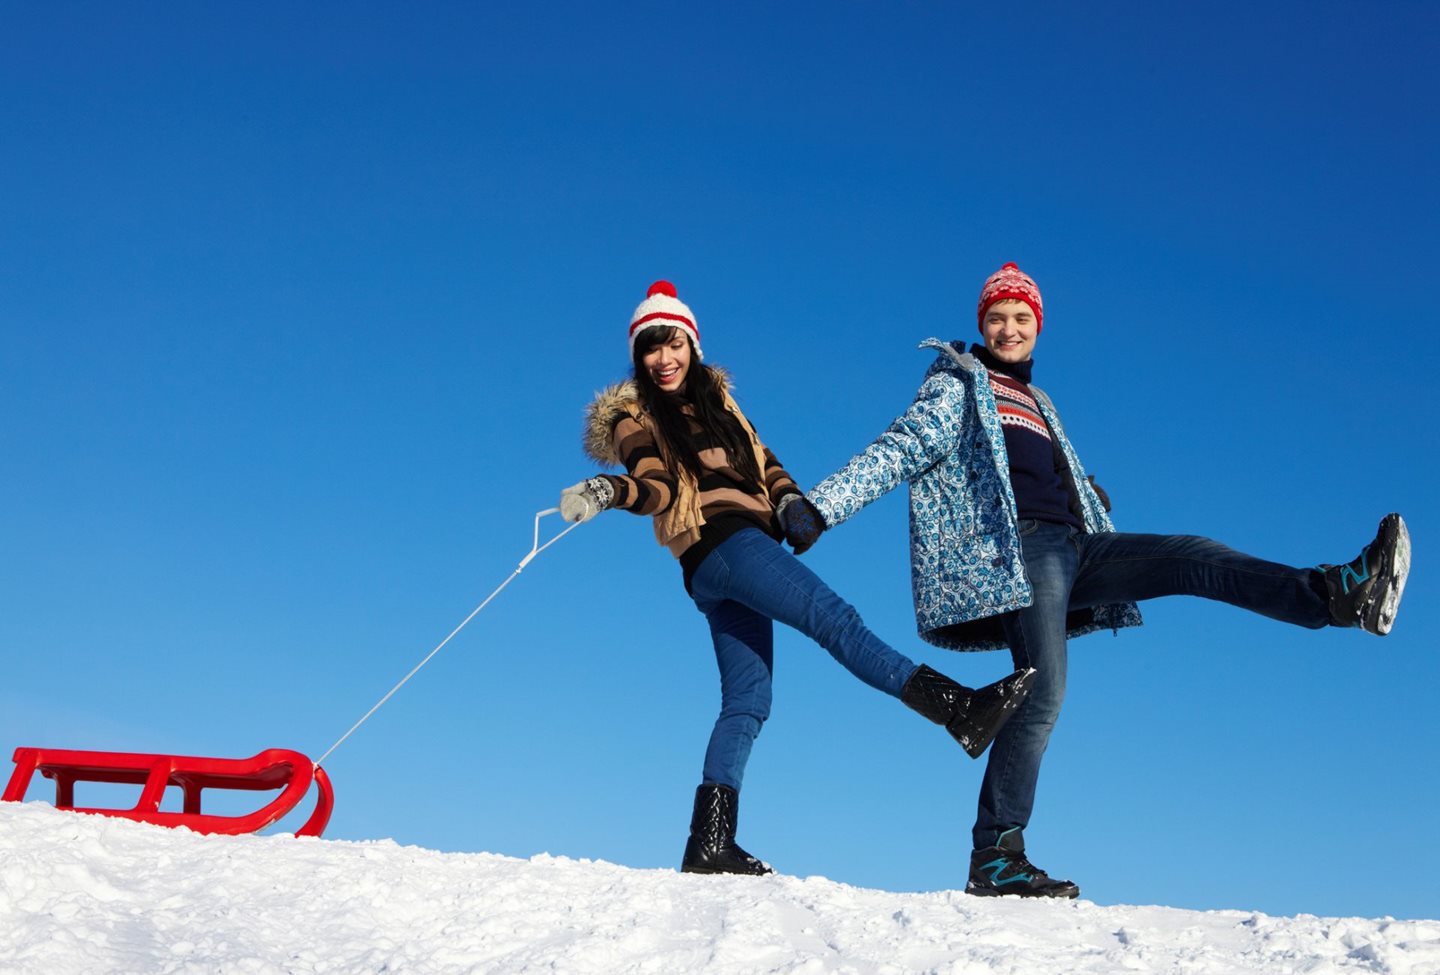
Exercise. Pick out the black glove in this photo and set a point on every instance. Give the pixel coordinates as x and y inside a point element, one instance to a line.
<point>1099,491</point>
<point>801,522</point>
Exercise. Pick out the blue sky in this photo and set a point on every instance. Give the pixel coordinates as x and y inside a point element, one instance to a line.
<point>301,307</point>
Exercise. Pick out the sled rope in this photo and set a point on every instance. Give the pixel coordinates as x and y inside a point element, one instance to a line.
<point>535,549</point>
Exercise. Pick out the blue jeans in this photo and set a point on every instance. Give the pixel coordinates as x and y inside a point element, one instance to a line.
<point>1070,570</point>
<point>747,582</point>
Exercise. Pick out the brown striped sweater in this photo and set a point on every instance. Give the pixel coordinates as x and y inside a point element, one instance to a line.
<point>691,517</point>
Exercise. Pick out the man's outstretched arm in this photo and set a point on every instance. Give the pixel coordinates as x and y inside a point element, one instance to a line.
<point>917,439</point>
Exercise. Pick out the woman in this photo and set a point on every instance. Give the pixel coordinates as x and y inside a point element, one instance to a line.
<point>721,502</point>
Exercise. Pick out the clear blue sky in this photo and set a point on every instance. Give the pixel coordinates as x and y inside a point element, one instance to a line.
<point>300,309</point>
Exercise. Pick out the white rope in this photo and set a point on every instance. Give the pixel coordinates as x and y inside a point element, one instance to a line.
<point>535,549</point>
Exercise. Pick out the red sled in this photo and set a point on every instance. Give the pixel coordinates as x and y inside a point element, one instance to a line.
<point>274,768</point>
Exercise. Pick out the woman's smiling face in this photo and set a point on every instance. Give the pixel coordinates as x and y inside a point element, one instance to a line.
<point>669,362</point>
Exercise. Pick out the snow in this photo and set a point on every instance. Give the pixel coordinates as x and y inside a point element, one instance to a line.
<point>83,893</point>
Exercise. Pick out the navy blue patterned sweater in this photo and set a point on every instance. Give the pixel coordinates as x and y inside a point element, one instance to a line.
<point>1041,491</point>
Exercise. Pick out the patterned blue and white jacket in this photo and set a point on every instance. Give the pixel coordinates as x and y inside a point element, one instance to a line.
<point>965,560</point>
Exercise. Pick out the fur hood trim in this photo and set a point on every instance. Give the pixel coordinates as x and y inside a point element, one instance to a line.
<point>614,402</point>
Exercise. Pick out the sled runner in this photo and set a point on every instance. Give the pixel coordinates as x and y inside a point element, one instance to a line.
<point>274,768</point>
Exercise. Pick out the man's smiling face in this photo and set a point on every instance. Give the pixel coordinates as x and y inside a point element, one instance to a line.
<point>1010,329</point>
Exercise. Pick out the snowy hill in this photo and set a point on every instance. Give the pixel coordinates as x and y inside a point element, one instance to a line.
<point>92,894</point>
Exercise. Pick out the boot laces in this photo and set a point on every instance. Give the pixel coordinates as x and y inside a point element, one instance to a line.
<point>1018,863</point>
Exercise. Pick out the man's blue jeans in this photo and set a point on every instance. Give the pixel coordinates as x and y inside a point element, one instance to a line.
<point>1071,570</point>
<point>747,582</point>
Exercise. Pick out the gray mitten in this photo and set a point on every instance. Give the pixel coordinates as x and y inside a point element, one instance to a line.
<point>585,500</point>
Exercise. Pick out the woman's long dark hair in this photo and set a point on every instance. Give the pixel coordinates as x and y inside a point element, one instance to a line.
<point>703,394</point>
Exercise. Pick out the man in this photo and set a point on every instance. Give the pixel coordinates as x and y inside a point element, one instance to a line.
<point>1012,546</point>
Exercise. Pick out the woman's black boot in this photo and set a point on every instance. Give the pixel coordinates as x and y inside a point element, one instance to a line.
<point>973,718</point>
<point>711,847</point>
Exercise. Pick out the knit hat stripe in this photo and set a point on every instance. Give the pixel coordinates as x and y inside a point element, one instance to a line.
<point>681,319</point>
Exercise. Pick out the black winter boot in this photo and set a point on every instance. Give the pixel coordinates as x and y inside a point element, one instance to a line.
<point>711,847</point>
<point>973,718</point>
<point>1366,592</point>
<point>1003,871</point>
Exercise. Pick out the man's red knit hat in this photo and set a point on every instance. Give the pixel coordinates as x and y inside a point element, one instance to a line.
<point>1011,282</point>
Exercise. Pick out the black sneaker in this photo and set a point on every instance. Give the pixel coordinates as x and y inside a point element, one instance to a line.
<point>1366,592</point>
<point>1003,871</point>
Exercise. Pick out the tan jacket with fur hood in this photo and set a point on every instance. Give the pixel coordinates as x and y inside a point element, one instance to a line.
<point>677,526</point>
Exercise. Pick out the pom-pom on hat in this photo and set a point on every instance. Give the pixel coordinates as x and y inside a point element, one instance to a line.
<point>663,307</point>
<point>1011,282</point>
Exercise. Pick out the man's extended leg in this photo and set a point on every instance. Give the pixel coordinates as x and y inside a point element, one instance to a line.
<point>1120,567</point>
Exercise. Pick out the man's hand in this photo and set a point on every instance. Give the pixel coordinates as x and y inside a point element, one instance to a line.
<point>585,500</point>
<point>801,522</point>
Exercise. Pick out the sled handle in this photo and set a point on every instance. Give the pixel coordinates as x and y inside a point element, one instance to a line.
<point>536,548</point>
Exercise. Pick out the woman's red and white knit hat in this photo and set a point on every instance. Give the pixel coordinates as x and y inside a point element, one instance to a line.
<point>1011,282</point>
<point>663,307</point>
